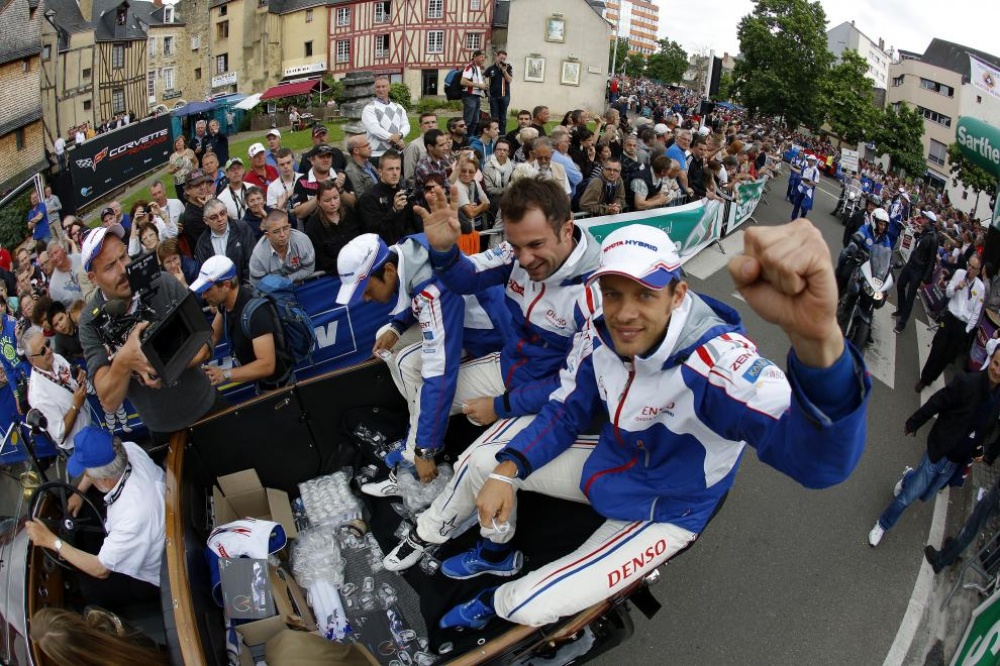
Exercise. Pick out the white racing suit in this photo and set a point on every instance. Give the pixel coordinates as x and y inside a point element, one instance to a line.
<point>680,419</point>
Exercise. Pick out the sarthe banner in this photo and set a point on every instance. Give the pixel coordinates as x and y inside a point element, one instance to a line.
<point>691,226</point>
<point>985,77</point>
<point>111,160</point>
<point>746,196</point>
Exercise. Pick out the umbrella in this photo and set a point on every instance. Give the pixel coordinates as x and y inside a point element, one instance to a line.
<point>249,102</point>
<point>192,108</point>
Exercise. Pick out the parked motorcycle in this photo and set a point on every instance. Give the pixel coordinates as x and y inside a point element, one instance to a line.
<point>866,291</point>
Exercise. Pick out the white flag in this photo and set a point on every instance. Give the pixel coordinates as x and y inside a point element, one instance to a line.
<point>985,77</point>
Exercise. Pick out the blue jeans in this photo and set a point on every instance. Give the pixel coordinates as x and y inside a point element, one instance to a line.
<point>498,110</point>
<point>921,483</point>
<point>470,113</point>
<point>803,204</point>
<point>984,512</point>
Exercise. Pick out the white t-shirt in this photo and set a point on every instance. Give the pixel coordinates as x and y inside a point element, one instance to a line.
<point>278,188</point>
<point>65,287</point>
<point>59,145</point>
<point>173,211</point>
<point>54,400</point>
<point>136,521</point>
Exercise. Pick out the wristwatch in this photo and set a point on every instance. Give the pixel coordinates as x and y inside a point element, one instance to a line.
<point>57,545</point>
<point>425,454</point>
<point>227,375</point>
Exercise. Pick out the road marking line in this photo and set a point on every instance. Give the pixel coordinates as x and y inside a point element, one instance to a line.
<point>880,357</point>
<point>924,585</point>
<point>710,260</point>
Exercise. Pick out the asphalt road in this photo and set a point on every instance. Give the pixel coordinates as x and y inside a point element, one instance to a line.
<point>785,575</point>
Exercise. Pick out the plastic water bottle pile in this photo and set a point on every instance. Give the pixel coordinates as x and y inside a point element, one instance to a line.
<point>418,496</point>
<point>328,500</point>
<point>316,557</point>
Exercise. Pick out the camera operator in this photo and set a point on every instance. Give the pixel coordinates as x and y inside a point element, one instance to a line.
<point>126,372</point>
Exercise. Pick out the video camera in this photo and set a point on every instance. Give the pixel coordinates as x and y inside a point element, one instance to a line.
<point>172,339</point>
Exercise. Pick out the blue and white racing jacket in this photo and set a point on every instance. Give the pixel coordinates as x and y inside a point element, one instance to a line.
<point>681,417</point>
<point>449,322</point>
<point>544,315</point>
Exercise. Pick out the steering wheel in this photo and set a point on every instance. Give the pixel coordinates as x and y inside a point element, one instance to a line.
<point>66,526</point>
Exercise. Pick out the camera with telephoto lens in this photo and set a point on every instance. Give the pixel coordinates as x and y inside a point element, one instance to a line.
<point>172,339</point>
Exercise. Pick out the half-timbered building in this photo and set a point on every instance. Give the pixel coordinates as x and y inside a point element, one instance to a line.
<point>22,147</point>
<point>120,59</point>
<point>414,41</point>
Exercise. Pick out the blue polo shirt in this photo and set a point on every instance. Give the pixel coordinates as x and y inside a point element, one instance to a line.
<point>42,228</point>
<point>675,152</point>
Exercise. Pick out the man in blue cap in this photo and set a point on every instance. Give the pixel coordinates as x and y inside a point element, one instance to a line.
<point>127,567</point>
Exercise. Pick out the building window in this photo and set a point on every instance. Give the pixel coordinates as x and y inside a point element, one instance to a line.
<point>222,63</point>
<point>261,4</point>
<point>152,47</point>
<point>474,41</point>
<point>85,73</point>
<point>122,16</point>
<point>897,106</point>
<point>118,100</point>
<point>898,80</point>
<point>222,30</point>
<point>309,16</point>
<point>46,52</point>
<point>939,88</point>
<point>167,73</point>
<point>435,41</point>
<point>938,153</point>
<point>343,51</point>
<point>26,65</point>
<point>381,46</point>
<point>343,16</point>
<point>435,9</point>
<point>19,138</point>
<point>195,42</point>
<point>475,5</point>
<point>86,105</point>
<point>118,56</point>
<point>197,73</point>
<point>223,10</point>
<point>168,46</point>
<point>309,49</point>
<point>935,117</point>
<point>383,12</point>
<point>168,14</point>
<point>151,83</point>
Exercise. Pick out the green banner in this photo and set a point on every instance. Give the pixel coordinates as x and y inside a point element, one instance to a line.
<point>981,643</point>
<point>746,197</point>
<point>691,226</point>
<point>980,143</point>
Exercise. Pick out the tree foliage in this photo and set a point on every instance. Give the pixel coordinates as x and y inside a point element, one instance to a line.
<point>616,62</point>
<point>968,174</point>
<point>668,64</point>
<point>725,87</point>
<point>784,57</point>
<point>14,221</point>
<point>635,64</point>
<point>847,100</point>
<point>899,134</point>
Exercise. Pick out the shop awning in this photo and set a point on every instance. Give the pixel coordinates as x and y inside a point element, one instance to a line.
<point>294,88</point>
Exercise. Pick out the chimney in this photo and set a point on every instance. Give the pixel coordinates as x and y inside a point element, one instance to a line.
<point>881,44</point>
<point>157,3</point>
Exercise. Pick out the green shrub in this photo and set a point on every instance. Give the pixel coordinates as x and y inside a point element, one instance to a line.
<point>14,221</point>
<point>432,104</point>
<point>400,94</point>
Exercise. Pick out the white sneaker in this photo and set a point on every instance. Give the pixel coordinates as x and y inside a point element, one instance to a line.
<point>898,488</point>
<point>387,487</point>
<point>875,536</point>
<point>405,555</point>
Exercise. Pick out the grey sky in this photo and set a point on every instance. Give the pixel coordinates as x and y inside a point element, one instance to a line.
<point>904,24</point>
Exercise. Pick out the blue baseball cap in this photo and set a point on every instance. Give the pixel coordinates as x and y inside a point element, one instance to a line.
<point>356,262</point>
<point>92,448</point>
<point>642,253</point>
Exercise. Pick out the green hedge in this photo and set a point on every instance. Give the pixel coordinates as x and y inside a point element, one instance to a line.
<point>14,221</point>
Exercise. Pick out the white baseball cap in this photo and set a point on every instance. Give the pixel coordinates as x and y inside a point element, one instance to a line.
<point>94,242</point>
<point>215,269</point>
<point>929,214</point>
<point>255,149</point>
<point>642,253</point>
<point>355,264</point>
<point>660,129</point>
<point>275,131</point>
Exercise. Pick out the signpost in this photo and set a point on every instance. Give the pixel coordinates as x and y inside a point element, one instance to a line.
<point>849,160</point>
<point>980,144</point>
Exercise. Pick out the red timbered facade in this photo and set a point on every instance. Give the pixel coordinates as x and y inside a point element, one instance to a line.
<point>400,37</point>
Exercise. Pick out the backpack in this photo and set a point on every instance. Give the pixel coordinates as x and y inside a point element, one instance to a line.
<point>453,85</point>
<point>295,338</point>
